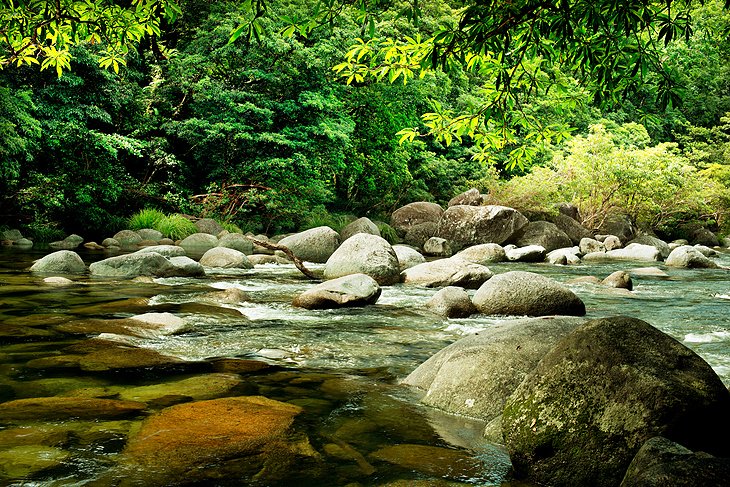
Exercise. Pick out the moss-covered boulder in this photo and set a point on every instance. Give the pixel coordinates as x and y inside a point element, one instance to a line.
<point>582,414</point>
<point>67,407</point>
<point>21,462</point>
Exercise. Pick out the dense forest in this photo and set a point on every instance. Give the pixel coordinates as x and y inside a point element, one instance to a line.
<point>303,116</point>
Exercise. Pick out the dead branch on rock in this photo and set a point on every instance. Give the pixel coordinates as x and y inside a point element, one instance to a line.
<point>297,261</point>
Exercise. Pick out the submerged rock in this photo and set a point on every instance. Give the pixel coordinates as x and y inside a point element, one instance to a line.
<point>22,462</point>
<point>67,407</point>
<point>62,262</point>
<point>582,414</point>
<point>346,291</point>
<point>432,460</point>
<point>519,293</point>
<point>453,271</point>
<point>364,254</point>
<point>199,387</point>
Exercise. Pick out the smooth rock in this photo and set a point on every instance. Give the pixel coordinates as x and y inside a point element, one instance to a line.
<point>471,197</point>
<point>225,258</point>
<point>413,214</point>
<point>164,250</point>
<point>648,272</point>
<point>612,242</point>
<point>582,414</point>
<point>544,234</point>
<point>186,267</point>
<point>689,257</point>
<point>132,265</point>
<point>417,235</point>
<point>451,302</point>
<point>531,253</point>
<point>519,293</point>
<point>127,238</point>
<point>361,225</point>
<point>313,245</point>
<point>437,247</point>
<point>453,271</point>
<point>93,246</point>
<point>707,251</point>
<point>150,234</point>
<point>653,241</point>
<point>236,241</point>
<point>62,261</point>
<point>23,242</point>
<point>23,462</point>
<point>347,291</point>
<point>110,242</point>
<point>564,256</point>
<point>47,408</point>
<point>57,281</point>
<point>619,279</point>
<point>364,254</point>
<point>197,388</point>
<point>198,243</point>
<point>590,245</point>
<point>209,226</point>
<point>703,236</point>
<point>632,252</point>
<point>483,253</point>
<point>408,256</point>
<point>465,225</point>
<point>432,461</point>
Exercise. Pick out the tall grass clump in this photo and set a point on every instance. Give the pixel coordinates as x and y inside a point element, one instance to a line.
<point>147,218</point>
<point>231,227</point>
<point>320,217</point>
<point>175,227</point>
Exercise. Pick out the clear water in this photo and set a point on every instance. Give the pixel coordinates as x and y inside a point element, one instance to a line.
<point>341,366</point>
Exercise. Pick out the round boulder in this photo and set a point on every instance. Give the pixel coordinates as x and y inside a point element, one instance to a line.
<point>619,279</point>
<point>703,236</point>
<point>413,214</point>
<point>209,226</point>
<point>483,253</point>
<point>661,245</point>
<point>471,197</point>
<point>544,234</point>
<point>531,253</point>
<point>347,291</point>
<point>364,254</point>
<point>582,414</point>
<point>223,257</point>
<point>133,265</point>
<point>313,245</point>
<point>520,293</point>
<point>471,225</point>
<point>199,243</point>
<point>417,235</point>
<point>408,257</point>
<point>689,257</point>
<point>451,302</point>
<point>164,250</point>
<point>63,262</point>
<point>127,238</point>
<point>437,246</point>
<point>150,234</point>
<point>361,225</point>
<point>618,225</point>
<point>236,241</point>
<point>447,272</point>
<point>69,243</point>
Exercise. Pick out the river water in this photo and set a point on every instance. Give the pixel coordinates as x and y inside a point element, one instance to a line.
<point>342,367</point>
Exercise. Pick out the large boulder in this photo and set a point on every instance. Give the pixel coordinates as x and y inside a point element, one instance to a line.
<point>660,244</point>
<point>618,225</point>
<point>347,291</point>
<point>590,245</point>
<point>703,236</point>
<point>451,302</point>
<point>436,246</point>
<point>361,225</point>
<point>530,253</point>
<point>61,262</point>
<point>150,234</point>
<point>193,441</point>
<point>223,257</point>
<point>133,265</point>
<point>199,243</point>
<point>635,252</point>
<point>582,414</point>
<point>565,256</point>
<point>236,241</point>
<point>413,214</point>
<point>209,226</point>
<point>408,257</point>
<point>574,230</point>
<point>453,271</point>
<point>186,267</point>
<point>164,250</point>
<point>471,225</point>
<point>544,234</point>
<point>127,238</point>
<point>364,254</point>
<point>475,375</point>
<point>471,197</point>
<point>418,235</point>
<point>661,462</point>
<point>483,253</point>
<point>313,245</point>
<point>520,293</point>
<point>689,257</point>
<point>69,243</point>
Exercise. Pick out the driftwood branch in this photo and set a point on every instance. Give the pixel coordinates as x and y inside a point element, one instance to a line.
<point>297,261</point>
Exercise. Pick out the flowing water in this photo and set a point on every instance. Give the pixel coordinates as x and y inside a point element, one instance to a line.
<point>342,367</point>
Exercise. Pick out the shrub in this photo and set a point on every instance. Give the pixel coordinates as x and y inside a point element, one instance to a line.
<point>147,218</point>
<point>320,217</point>
<point>387,232</point>
<point>175,226</point>
<point>231,227</point>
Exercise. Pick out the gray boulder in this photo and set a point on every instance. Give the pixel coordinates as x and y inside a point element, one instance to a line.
<point>364,254</point>
<point>530,253</point>
<point>223,257</point>
<point>417,235</point>
<point>69,243</point>
<point>726,242</point>
<point>475,375</point>
<point>653,241</point>
<point>636,252</point>
<point>453,271</point>
<point>133,265</point>
<point>236,241</point>
<point>565,256</point>
<point>591,245</point>
<point>199,243</point>
<point>361,225</point>
<point>127,238</point>
<point>23,242</point>
<point>150,234</point>
<point>451,302</point>
<point>620,280</point>
<point>471,197</point>
<point>483,253</point>
<point>413,214</point>
<point>519,293</point>
<point>612,242</point>
<point>437,246</point>
<point>702,249</point>
<point>569,210</point>
<point>408,257</point>
<point>582,414</point>
<point>11,235</point>
<point>465,225</point>
<point>544,234</point>
<point>313,245</point>
<point>62,262</point>
<point>186,267</point>
<point>618,225</point>
<point>164,250</point>
<point>110,242</point>
<point>661,462</point>
<point>703,236</point>
<point>347,291</point>
<point>689,257</point>
<point>209,226</point>
<point>574,230</point>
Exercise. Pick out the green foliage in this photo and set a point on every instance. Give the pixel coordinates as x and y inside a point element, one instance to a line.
<point>231,227</point>
<point>175,227</point>
<point>387,232</point>
<point>320,217</point>
<point>147,218</point>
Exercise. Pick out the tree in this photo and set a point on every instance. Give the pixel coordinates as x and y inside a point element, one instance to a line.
<point>43,32</point>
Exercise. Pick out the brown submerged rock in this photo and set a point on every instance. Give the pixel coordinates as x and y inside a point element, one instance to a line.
<point>67,407</point>
<point>431,460</point>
